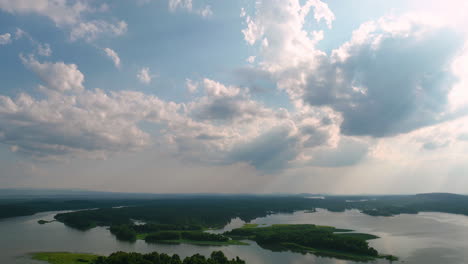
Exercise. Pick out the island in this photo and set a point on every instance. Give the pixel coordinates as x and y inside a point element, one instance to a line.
<point>216,257</point>
<point>306,238</point>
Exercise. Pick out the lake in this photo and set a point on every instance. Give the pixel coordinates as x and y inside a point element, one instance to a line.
<point>424,238</point>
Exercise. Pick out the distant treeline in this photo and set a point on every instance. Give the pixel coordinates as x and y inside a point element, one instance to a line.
<point>401,204</point>
<point>216,211</point>
<point>12,208</point>
<point>217,257</point>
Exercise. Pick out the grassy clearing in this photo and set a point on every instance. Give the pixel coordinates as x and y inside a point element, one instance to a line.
<point>141,236</point>
<point>64,257</point>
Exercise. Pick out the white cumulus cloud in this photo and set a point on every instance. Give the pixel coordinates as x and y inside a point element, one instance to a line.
<point>44,49</point>
<point>191,85</point>
<point>90,30</point>
<point>57,76</point>
<point>70,15</point>
<point>187,5</point>
<point>5,39</point>
<point>113,56</point>
<point>145,76</point>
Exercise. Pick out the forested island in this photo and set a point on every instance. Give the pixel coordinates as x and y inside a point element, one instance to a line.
<point>216,257</point>
<point>306,238</point>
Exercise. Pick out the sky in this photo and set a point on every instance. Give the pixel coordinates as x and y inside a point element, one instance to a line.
<point>196,96</point>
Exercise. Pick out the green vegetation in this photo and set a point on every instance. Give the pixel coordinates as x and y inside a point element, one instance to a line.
<point>169,220</point>
<point>174,234</point>
<point>219,210</point>
<point>390,205</point>
<point>184,220</point>
<point>202,243</point>
<point>14,207</point>
<point>191,237</point>
<point>357,235</point>
<point>319,240</point>
<point>64,257</point>
<point>151,227</point>
<point>123,232</point>
<point>216,257</point>
<point>162,236</point>
<point>216,212</point>
<point>202,212</point>
<point>132,232</point>
<point>201,236</point>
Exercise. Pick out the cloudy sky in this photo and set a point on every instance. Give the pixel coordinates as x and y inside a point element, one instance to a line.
<point>358,96</point>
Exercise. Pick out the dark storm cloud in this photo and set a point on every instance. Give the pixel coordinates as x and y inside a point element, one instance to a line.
<point>395,88</point>
<point>269,152</point>
<point>225,108</point>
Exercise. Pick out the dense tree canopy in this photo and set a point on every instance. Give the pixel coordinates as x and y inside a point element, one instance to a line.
<point>216,211</point>
<point>217,257</point>
<point>201,212</point>
<point>305,236</point>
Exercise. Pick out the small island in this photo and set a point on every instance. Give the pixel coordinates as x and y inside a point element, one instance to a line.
<point>216,257</point>
<point>319,240</point>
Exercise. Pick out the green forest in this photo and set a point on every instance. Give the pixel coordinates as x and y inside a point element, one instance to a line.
<point>226,207</point>
<point>184,219</point>
<point>320,240</point>
<point>216,257</point>
<point>167,233</point>
<point>202,212</point>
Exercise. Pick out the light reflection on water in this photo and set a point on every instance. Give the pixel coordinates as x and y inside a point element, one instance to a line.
<point>425,238</point>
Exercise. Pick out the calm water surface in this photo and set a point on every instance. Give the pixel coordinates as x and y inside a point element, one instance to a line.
<point>425,238</point>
